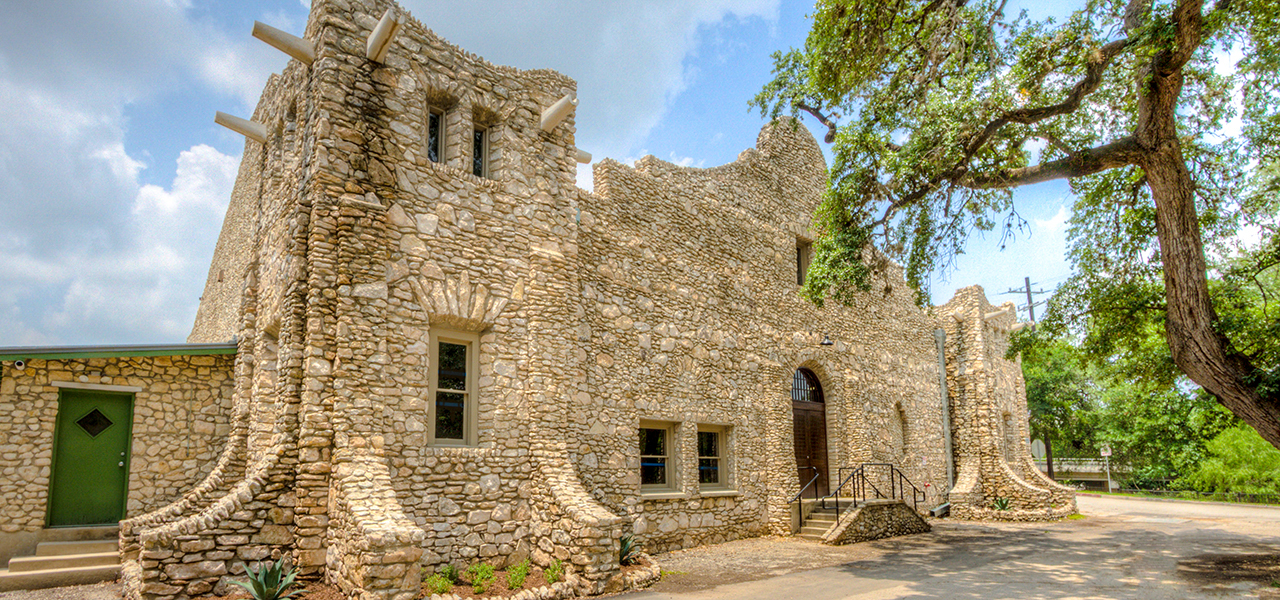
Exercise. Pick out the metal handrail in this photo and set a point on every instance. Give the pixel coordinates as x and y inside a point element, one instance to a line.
<point>898,483</point>
<point>854,472</point>
<point>816,475</point>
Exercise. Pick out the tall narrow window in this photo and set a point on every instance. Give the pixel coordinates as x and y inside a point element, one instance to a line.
<point>453,376</point>
<point>804,253</point>
<point>435,136</point>
<point>656,461</point>
<point>713,472</point>
<point>480,153</point>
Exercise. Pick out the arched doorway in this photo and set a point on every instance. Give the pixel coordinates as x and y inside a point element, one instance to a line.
<point>809,414</point>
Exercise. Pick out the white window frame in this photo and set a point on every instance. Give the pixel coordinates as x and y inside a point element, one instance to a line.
<point>722,456</point>
<point>441,137</point>
<point>470,408</point>
<point>672,447</point>
<point>486,132</point>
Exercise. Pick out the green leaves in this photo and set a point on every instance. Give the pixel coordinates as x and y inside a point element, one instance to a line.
<point>628,550</point>
<point>1240,462</point>
<point>271,581</point>
<point>943,105</point>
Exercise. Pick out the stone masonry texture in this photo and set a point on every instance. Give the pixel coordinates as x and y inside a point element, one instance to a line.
<point>668,296</point>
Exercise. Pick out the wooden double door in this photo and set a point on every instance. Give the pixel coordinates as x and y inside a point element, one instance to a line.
<point>811,444</point>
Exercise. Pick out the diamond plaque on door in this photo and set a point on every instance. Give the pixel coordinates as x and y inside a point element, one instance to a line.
<point>94,423</point>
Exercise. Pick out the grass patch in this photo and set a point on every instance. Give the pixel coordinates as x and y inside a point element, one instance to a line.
<point>1076,517</point>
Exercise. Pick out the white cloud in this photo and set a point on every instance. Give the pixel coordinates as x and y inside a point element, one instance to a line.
<point>629,57</point>
<point>1056,223</point>
<point>147,288</point>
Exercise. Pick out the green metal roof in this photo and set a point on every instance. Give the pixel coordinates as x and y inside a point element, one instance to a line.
<point>56,352</point>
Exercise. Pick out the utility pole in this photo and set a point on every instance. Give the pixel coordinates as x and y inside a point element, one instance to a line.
<point>1031,304</point>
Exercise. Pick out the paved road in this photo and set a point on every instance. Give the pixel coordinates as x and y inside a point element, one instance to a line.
<point>1125,548</point>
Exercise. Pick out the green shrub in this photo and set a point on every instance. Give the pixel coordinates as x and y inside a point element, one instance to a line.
<point>629,551</point>
<point>516,574</point>
<point>1000,503</point>
<point>554,572</point>
<point>438,584</point>
<point>450,572</point>
<point>271,581</point>
<point>1239,461</point>
<point>481,576</point>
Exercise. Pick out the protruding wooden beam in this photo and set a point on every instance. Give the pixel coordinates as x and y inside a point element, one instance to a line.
<point>558,111</point>
<point>250,129</point>
<point>583,156</point>
<point>958,316</point>
<point>285,42</point>
<point>995,314</point>
<point>383,33</point>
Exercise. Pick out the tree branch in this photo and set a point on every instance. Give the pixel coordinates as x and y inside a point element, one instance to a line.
<point>831,125</point>
<point>1119,153</point>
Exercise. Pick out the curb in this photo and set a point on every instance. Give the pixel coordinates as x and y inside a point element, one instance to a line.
<point>1179,500</point>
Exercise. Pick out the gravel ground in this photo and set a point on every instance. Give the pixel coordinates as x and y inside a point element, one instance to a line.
<point>107,590</point>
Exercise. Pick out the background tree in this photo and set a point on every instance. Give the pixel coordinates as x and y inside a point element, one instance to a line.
<point>1060,397</point>
<point>1239,461</point>
<point>949,104</point>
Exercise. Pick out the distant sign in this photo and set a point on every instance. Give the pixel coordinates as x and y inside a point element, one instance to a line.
<point>1106,449</point>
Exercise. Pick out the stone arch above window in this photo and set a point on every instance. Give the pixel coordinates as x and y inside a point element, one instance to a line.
<point>805,386</point>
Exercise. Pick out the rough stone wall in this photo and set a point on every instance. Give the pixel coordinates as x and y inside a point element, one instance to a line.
<point>874,520</point>
<point>180,422</point>
<point>992,453</point>
<point>690,315</point>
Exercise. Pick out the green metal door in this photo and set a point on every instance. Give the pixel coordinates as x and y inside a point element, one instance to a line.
<point>90,458</point>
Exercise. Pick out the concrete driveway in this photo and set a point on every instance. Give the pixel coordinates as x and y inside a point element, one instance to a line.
<point>1124,548</point>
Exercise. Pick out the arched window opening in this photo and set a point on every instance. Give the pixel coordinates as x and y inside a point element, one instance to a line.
<point>805,386</point>
<point>901,434</point>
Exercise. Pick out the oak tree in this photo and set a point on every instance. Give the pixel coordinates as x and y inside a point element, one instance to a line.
<point>938,109</point>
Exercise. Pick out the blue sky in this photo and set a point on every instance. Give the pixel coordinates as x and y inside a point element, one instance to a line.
<point>114,179</point>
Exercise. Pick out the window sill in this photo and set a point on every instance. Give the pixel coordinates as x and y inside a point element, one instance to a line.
<point>719,493</point>
<point>662,495</point>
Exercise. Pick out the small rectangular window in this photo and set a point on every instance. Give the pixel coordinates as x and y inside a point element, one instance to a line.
<point>657,458</point>
<point>480,153</point>
<point>709,457</point>
<point>713,457</point>
<point>435,136</point>
<point>804,253</point>
<point>453,388</point>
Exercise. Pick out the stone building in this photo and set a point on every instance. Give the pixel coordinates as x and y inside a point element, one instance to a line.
<point>447,352</point>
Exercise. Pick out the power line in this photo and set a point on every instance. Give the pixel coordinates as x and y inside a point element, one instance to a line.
<point>1031,303</point>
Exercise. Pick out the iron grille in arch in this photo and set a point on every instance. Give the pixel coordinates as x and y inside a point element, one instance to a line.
<point>805,386</point>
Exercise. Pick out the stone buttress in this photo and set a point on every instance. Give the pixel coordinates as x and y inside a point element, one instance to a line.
<point>988,418</point>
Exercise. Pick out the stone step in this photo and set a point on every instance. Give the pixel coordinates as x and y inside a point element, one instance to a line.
<point>77,534</point>
<point>85,547</point>
<point>810,536</point>
<point>811,530</point>
<point>829,517</point>
<point>27,564</point>
<point>35,580</point>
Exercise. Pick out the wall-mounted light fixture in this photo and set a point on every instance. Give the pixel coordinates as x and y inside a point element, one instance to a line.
<point>826,341</point>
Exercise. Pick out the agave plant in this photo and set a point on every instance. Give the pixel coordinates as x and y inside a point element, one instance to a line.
<point>1001,503</point>
<point>629,551</point>
<point>271,581</point>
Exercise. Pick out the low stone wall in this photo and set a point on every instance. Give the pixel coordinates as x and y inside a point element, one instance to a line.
<point>874,520</point>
